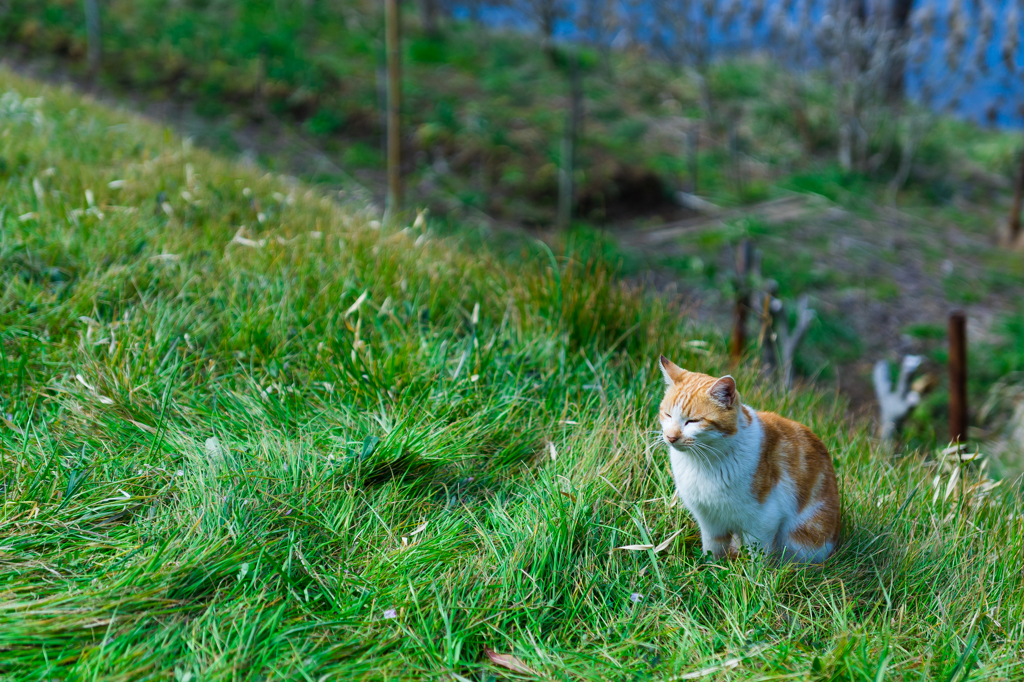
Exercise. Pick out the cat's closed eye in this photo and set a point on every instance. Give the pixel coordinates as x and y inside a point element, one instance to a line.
<point>692,421</point>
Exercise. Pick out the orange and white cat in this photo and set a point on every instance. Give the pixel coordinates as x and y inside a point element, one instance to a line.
<point>746,476</point>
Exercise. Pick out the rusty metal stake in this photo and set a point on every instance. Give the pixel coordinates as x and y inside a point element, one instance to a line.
<point>957,376</point>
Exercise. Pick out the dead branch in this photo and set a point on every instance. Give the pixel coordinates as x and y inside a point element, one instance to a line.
<point>895,404</point>
<point>787,341</point>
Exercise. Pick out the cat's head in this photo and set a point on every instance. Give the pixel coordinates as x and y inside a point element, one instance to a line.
<point>697,409</point>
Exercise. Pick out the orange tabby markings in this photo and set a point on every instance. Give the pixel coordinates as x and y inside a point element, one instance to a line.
<point>762,477</point>
<point>747,416</point>
<point>804,456</point>
<point>767,474</point>
<point>818,530</point>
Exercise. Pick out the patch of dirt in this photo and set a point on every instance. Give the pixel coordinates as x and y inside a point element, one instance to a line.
<point>883,275</point>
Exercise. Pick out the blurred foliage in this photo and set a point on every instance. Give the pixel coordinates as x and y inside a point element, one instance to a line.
<point>484,110</point>
<point>477,107</point>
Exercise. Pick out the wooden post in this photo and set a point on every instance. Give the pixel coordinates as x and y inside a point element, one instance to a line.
<point>259,101</point>
<point>899,22</point>
<point>744,257</point>
<point>691,150</point>
<point>428,16</point>
<point>393,46</point>
<point>734,164</point>
<point>957,376</point>
<point>767,337</point>
<point>1014,229</point>
<point>92,33</point>
<point>566,192</point>
<point>382,100</point>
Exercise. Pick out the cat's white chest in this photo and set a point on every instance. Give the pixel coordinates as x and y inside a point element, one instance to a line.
<point>719,491</point>
<point>710,489</point>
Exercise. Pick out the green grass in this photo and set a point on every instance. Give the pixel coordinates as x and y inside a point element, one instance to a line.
<point>386,404</point>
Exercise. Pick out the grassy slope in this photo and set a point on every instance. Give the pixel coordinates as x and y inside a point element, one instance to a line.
<point>132,547</point>
<point>296,82</point>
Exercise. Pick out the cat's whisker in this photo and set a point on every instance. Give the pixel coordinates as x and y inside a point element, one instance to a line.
<point>712,449</point>
<point>712,453</point>
<point>707,457</point>
<point>698,450</point>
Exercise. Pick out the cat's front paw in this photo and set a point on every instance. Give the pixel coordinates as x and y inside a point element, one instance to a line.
<point>724,546</point>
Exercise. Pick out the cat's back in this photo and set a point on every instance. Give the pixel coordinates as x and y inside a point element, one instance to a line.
<point>790,452</point>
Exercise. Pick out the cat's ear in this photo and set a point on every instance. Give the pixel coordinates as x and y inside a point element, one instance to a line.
<point>671,371</point>
<point>723,392</point>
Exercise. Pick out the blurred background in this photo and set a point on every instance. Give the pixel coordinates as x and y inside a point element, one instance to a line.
<point>823,180</point>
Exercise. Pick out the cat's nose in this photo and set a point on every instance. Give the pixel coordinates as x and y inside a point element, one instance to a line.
<point>672,439</point>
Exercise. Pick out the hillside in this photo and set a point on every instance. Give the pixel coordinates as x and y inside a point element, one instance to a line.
<point>251,434</point>
<point>296,87</point>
